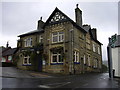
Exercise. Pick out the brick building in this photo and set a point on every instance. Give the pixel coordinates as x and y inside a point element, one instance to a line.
<point>61,45</point>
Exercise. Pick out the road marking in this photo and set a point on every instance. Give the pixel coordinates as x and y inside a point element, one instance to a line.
<point>43,86</point>
<point>54,85</point>
<point>85,84</point>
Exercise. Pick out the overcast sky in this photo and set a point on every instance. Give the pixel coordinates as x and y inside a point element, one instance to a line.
<point>22,17</point>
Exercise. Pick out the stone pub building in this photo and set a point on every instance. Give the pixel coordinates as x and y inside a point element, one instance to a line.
<point>60,45</point>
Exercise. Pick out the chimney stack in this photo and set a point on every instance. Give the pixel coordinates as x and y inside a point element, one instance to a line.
<point>7,45</point>
<point>78,16</point>
<point>40,24</point>
<point>94,33</point>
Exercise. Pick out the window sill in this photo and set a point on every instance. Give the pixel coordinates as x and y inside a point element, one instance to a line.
<point>26,65</point>
<point>56,63</point>
<point>56,43</point>
<point>76,62</point>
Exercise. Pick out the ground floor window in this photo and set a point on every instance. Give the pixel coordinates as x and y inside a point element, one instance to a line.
<point>99,64</point>
<point>84,60</point>
<point>9,58</point>
<point>89,62</point>
<point>56,57</point>
<point>95,63</point>
<point>76,56</point>
<point>26,60</point>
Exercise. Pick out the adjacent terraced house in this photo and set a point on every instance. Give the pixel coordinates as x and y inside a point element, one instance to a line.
<point>61,45</point>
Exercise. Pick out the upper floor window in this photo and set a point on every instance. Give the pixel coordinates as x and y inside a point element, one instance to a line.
<point>88,44</point>
<point>98,50</point>
<point>76,56</point>
<point>28,42</point>
<point>41,39</point>
<point>57,37</point>
<point>93,47</point>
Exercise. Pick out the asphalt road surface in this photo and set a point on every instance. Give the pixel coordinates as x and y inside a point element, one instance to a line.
<point>90,80</point>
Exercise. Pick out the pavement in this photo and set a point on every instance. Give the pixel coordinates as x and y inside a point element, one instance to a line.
<point>13,72</point>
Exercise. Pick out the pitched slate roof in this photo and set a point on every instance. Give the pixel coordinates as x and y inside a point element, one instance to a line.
<point>84,29</point>
<point>10,51</point>
<point>117,43</point>
<point>31,33</point>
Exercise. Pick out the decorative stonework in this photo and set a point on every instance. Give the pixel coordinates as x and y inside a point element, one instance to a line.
<point>57,17</point>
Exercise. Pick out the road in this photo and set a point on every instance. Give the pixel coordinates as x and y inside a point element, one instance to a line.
<point>40,80</point>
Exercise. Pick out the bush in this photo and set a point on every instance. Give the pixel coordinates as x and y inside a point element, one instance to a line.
<point>104,68</point>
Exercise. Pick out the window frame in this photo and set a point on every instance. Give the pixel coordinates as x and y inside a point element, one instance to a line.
<point>89,61</point>
<point>94,49</point>
<point>40,39</point>
<point>28,42</point>
<point>27,60</point>
<point>59,36</point>
<point>76,56</point>
<point>99,50</point>
<point>57,55</point>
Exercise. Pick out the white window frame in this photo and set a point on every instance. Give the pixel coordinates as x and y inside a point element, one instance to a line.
<point>9,58</point>
<point>84,59</point>
<point>40,39</point>
<point>28,60</point>
<point>98,50</point>
<point>28,42</point>
<point>93,47</point>
<point>89,61</point>
<point>3,59</point>
<point>57,54</point>
<point>59,35</point>
<point>76,56</point>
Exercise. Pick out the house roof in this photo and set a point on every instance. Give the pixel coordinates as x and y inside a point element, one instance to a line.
<point>87,28</point>
<point>10,51</point>
<point>31,33</point>
<point>84,29</point>
<point>117,43</point>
